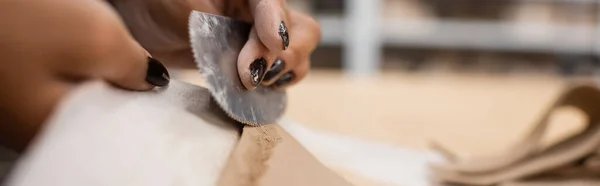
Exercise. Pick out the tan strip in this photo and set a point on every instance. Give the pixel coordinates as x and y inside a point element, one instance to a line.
<point>586,98</point>
<point>248,162</point>
<point>269,156</point>
<point>516,153</point>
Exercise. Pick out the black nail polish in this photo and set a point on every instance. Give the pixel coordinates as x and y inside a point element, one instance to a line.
<point>285,79</point>
<point>276,68</point>
<point>283,32</point>
<point>258,68</point>
<point>157,74</point>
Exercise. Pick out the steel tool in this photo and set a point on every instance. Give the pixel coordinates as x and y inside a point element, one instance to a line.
<point>216,43</point>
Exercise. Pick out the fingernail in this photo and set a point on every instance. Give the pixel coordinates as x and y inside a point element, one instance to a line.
<point>285,79</point>
<point>157,74</point>
<point>283,32</point>
<point>277,67</point>
<point>258,68</point>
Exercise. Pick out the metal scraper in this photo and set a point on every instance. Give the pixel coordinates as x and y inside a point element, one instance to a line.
<point>216,43</point>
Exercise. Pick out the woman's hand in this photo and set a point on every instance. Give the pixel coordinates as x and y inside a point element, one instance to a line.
<point>50,46</point>
<point>276,54</point>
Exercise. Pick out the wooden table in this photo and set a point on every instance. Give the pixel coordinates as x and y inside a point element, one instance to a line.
<point>468,113</point>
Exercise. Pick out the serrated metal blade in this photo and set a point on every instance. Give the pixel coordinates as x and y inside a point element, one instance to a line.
<point>216,42</point>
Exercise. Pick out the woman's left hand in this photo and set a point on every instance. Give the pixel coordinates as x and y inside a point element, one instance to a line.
<point>276,54</point>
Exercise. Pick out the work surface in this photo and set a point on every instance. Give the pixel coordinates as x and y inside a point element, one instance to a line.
<point>470,114</point>
<point>374,131</point>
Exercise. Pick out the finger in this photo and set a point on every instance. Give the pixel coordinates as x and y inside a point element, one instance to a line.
<point>132,68</point>
<point>115,57</point>
<point>254,61</point>
<point>307,30</point>
<point>270,20</point>
<point>292,77</point>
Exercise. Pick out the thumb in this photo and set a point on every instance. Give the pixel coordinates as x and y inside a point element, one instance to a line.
<point>138,73</point>
<point>88,40</point>
<point>131,67</point>
<point>121,61</point>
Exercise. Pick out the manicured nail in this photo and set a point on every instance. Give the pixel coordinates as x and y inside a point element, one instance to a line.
<point>157,74</point>
<point>285,79</point>
<point>258,68</point>
<point>283,32</point>
<point>276,68</point>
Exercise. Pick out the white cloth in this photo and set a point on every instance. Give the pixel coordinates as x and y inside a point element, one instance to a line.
<point>101,135</point>
<point>104,136</point>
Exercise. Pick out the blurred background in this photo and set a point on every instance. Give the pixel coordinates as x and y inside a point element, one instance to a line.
<point>491,36</point>
<point>472,75</point>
